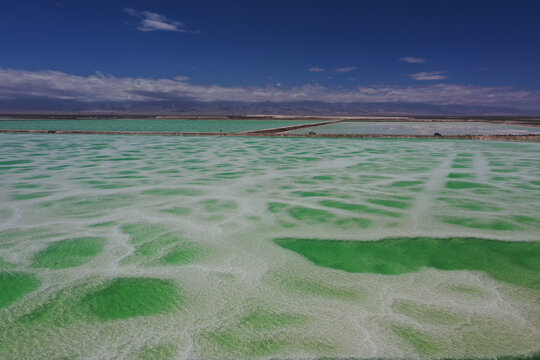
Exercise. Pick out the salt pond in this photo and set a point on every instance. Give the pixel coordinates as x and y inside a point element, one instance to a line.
<point>149,125</point>
<point>421,128</point>
<point>225,248</point>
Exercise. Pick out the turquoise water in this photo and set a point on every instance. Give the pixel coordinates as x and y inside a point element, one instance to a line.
<point>420,128</point>
<point>173,247</point>
<point>154,125</point>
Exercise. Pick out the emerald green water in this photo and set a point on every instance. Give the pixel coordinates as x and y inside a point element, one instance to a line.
<point>153,247</point>
<point>69,253</point>
<point>129,297</point>
<point>153,125</point>
<point>514,262</point>
<point>14,286</point>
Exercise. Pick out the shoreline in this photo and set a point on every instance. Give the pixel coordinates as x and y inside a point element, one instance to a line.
<point>406,118</point>
<point>278,132</point>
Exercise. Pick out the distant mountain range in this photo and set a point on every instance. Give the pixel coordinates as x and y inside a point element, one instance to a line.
<point>29,106</point>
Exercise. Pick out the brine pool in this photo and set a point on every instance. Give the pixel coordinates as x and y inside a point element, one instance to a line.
<point>149,125</point>
<point>420,128</point>
<point>149,247</point>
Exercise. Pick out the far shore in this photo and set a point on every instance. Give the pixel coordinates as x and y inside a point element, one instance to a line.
<point>516,120</point>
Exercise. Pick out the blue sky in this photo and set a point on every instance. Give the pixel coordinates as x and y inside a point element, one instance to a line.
<point>473,52</point>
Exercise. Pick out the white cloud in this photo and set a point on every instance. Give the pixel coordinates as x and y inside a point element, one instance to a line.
<point>181,78</point>
<point>316,69</point>
<point>413,60</point>
<point>18,84</point>
<point>150,21</point>
<point>345,69</point>
<point>433,75</point>
<point>131,12</point>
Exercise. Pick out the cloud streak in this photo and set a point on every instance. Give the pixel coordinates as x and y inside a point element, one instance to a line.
<point>413,60</point>
<point>49,84</point>
<point>426,76</point>
<point>315,69</point>
<point>345,69</point>
<point>150,21</point>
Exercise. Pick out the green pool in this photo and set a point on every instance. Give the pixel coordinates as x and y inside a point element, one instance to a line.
<point>152,125</point>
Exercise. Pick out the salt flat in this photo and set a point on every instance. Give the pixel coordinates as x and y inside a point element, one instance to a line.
<point>422,128</point>
<point>184,247</point>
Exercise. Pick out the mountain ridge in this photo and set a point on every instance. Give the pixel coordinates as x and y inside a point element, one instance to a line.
<point>229,108</point>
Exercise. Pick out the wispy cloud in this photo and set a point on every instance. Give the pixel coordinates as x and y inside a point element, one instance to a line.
<point>345,69</point>
<point>48,84</point>
<point>433,75</point>
<point>413,60</point>
<point>150,21</point>
<point>316,69</point>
